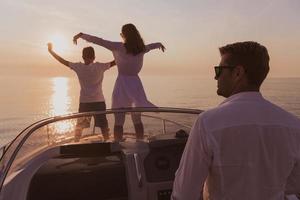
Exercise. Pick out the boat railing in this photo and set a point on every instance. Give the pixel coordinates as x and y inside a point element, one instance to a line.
<point>163,120</point>
<point>166,120</point>
<point>2,150</point>
<point>15,146</point>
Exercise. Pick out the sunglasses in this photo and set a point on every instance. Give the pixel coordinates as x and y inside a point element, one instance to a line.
<point>218,70</point>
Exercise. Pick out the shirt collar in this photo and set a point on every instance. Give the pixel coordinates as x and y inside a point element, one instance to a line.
<point>243,95</point>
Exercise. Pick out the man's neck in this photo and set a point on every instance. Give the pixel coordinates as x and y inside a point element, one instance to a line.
<point>88,62</point>
<point>248,88</point>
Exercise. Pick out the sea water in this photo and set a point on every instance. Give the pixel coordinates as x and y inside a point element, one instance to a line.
<point>27,99</point>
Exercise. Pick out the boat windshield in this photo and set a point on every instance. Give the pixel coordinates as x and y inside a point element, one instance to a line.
<point>139,125</point>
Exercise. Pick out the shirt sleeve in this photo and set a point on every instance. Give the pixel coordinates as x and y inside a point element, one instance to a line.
<point>152,46</point>
<point>103,66</point>
<point>99,41</point>
<point>73,66</point>
<point>194,166</point>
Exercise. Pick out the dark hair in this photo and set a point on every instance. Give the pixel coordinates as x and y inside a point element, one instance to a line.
<point>88,52</point>
<point>252,56</point>
<point>134,43</point>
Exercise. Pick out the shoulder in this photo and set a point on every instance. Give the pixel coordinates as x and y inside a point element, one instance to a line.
<point>213,113</point>
<point>118,45</point>
<point>283,116</point>
<point>75,65</point>
<point>202,119</point>
<point>113,45</point>
<point>218,117</point>
<point>102,66</point>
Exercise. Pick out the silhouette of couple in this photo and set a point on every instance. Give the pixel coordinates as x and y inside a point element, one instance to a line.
<point>128,90</point>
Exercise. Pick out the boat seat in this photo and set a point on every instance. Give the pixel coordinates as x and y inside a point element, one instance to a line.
<point>81,172</point>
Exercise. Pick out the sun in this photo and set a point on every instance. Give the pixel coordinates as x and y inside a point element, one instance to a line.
<point>60,42</point>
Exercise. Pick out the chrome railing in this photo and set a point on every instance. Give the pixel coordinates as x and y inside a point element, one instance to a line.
<point>26,133</point>
<point>3,149</point>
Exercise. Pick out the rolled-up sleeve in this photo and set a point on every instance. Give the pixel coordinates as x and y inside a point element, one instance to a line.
<point>194,166</point>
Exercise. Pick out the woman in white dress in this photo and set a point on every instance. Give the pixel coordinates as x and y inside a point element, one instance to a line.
<point>128,90</point>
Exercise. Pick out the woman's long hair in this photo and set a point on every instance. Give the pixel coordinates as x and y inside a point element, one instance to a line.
<point>134,43</point>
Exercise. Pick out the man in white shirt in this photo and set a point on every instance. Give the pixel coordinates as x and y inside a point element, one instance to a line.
<point>246,148</point>
<point>90,76</point>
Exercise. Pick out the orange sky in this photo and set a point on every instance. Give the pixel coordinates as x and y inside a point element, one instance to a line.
<point>191,30</point>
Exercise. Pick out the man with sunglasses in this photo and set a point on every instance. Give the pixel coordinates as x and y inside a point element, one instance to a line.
<point>246,148</point>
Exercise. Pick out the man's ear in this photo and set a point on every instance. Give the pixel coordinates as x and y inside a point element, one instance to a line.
<point>239,72</point>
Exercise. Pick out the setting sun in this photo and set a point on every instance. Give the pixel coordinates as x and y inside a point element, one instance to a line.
<point>60,42</point>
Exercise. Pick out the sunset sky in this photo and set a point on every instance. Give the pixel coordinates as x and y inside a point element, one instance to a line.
<point>191,30</point>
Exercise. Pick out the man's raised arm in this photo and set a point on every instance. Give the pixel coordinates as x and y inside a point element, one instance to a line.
<point>57,57</point>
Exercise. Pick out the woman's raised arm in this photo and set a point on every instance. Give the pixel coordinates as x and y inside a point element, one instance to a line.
<point>157,45</point>
<point>96,40</point>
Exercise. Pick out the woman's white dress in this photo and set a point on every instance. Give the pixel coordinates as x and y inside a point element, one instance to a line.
<point>129,92</point>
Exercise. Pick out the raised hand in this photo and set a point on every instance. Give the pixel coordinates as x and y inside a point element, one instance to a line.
<point>56,56</point>
<point>76,37</point>
<point>162,47</point>
<point>50,46</point>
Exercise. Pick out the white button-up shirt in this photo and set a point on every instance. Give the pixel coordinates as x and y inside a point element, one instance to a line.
<point>90,78</point>
<point>245,149</point>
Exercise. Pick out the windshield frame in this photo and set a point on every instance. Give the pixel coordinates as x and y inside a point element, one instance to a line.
<point>26,133</point>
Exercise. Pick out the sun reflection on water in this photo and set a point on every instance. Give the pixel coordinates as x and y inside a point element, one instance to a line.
<point>60,104</point>
<point>60,99</point>
<point>64,127</point>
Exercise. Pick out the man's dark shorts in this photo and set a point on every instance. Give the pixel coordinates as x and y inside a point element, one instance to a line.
<point>100,120</point>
